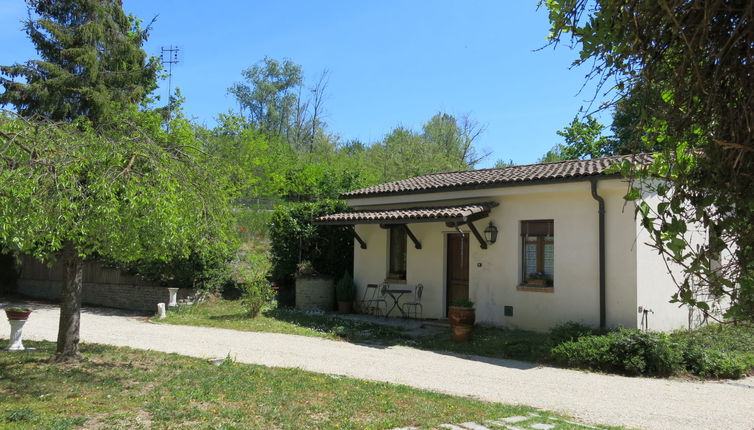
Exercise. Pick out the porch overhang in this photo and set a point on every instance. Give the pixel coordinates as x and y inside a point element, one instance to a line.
<point>459,214</point>
<point>450,215</point>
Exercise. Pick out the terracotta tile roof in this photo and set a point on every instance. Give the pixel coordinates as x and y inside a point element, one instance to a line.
<point>545,172</point>
<point>420,214</point>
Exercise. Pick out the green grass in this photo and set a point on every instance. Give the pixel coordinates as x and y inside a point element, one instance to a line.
<point>230,314</point>
<point>486,341</point>
<point>122,388</point>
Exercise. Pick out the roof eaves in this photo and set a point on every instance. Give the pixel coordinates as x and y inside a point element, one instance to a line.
<point>486,185</point>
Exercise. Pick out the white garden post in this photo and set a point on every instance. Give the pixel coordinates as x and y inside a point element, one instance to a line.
<point>160,310</point>
<point>16,329</point>
<point>173,297</point>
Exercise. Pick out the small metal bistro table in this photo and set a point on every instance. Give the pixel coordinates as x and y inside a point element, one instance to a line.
<point>396,294</point>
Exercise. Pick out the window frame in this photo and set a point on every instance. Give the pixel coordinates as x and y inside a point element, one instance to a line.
<point>541,240</point>
<point>393,275</point>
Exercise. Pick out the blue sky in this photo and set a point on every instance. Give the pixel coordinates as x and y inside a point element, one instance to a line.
<point>390,62</point>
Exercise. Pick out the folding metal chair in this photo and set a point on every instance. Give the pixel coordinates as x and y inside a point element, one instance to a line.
<point>373,300</point>
<point>415,304</point>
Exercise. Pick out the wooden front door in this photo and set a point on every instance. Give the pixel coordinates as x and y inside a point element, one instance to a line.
<point>457,279</point>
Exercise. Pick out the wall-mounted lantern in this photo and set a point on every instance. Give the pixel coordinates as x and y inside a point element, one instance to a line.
<point>490,233</point>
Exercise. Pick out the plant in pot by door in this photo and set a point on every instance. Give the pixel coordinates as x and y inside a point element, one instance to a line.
<point>17,317</point>
<point>305,268</point>
<point>345,293</point>
<point>461,315</point>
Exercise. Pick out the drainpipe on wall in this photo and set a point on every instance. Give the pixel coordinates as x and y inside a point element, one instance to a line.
<point>601,204</point>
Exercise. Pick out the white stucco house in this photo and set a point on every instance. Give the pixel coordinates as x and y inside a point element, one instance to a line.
<point>568,246</point>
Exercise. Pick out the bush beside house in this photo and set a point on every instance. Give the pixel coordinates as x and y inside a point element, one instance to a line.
<point>294,239</point>
<point>716,351</point>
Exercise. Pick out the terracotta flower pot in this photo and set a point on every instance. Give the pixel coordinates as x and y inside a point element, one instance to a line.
<point>345,307</point>
<point>460,333</point>
<point>14,315</point>
<point>461,315</point>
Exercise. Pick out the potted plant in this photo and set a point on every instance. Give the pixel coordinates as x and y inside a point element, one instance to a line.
<point>305,268</point>
<point>17,313</point>
<point>461,315</point>
<point>538,278</point>
<point>462,311</point>
<point>345,293</point>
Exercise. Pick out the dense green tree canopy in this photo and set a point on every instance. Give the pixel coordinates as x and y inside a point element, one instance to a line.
<point>690,64</point>
<point>70,192</point>
<point>84,173</point>
<point>91,62</point>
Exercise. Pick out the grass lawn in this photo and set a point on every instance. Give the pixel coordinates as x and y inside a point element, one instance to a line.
<point>122,388</point>
<point>486,341</point>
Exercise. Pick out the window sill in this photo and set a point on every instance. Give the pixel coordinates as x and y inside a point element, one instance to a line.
<point>394,281</point>
<point>535,289</point>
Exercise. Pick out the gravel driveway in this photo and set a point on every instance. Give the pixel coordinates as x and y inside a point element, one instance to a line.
<point>603,399</point>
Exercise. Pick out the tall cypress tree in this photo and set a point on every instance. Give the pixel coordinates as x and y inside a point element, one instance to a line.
<point>92,61</point>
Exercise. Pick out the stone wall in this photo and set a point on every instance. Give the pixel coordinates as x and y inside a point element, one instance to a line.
<point>315,293</point>
<point>103,286</point>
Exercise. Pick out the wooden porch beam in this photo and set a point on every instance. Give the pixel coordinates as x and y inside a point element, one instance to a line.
<point>413,238</point>
<point>359,239</point>
<point>482,242</point>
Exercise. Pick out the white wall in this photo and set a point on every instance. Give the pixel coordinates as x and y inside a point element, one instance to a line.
<point>655,283</point>
<point>494,273</point>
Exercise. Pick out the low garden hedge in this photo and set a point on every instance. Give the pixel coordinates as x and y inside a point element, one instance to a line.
<point>719,351</point>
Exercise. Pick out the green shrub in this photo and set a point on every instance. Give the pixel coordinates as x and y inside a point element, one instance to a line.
<point>294,238</point>
<point>631,352</point>
<point>256,290</point>
<point>205,269</point>
<point>570,331</point>
<point>714,363</point>
<point>345,289</point>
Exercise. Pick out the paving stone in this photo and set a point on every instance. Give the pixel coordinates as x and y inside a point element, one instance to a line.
<point>542,426</point>
<point>451,427</point>
<point>503,425</point>
<point>406,428</point>
<point>474,426</point>
<point>515,419</point>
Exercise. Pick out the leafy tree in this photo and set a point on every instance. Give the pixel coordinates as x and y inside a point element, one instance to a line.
<point>693,61</point>
<point>582,139</point>
<point>269,94</point>
<point>71,193</point>
<point>103,180</point>
<point>91,62</point>
<point>294,238</point>
<point>446,144</point>
<point>272,96</point>
<point>454,138</point>
<point>502,163</point>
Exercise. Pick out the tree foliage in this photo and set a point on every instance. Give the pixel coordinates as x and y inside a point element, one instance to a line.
<point>84,173</point>
<point>581,139</point>
<point>91,62</point>
<point>693,61</point>
<point>294,238</point>
<point>72,192</point>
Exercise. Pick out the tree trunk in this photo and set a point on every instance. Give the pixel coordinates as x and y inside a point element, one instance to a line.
<point>70,305</point>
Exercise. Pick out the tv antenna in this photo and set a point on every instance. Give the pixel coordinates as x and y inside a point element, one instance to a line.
<point>169,56</point>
